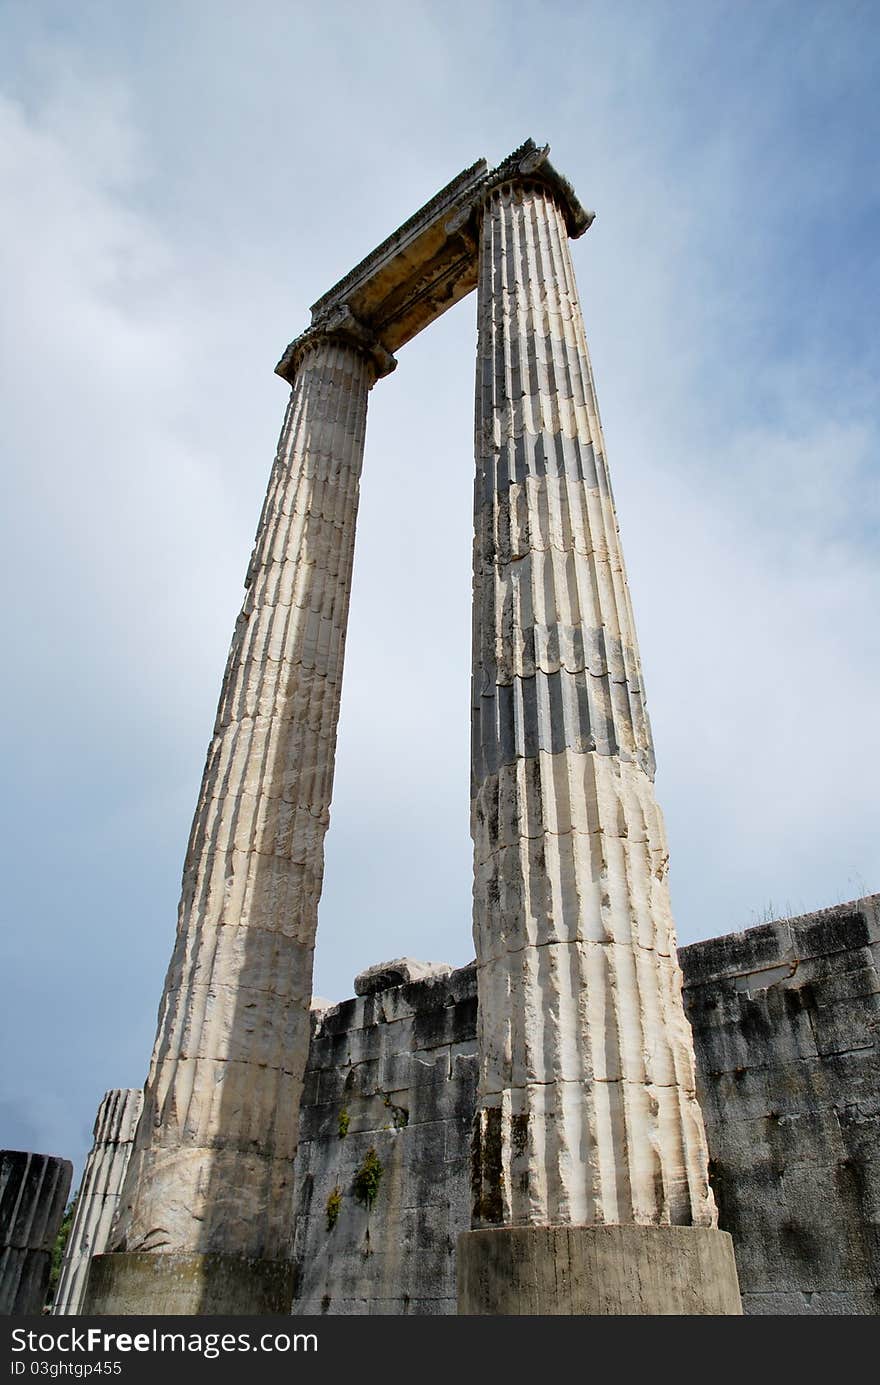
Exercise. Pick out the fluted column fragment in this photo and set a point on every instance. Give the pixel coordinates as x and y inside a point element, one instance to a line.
<point>587,1112</point>
<point>33,1195</point>
<point>211,1167</point>
<point>114,1131</point>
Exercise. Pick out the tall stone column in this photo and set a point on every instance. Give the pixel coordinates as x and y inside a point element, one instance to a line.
<point>588,1138</point>
<point>204,1223</point>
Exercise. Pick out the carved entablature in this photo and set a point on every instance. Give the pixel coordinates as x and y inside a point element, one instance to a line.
<point>530,164</point>
<point>430,262</point>
<point>337,323</point>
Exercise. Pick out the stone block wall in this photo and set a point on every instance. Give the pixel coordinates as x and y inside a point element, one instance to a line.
<point>392,1072</point>
<point>786,1021</point>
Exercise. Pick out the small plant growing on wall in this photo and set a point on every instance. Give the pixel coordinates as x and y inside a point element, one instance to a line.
<point>399,1114</point>
<point>344,1123</point>
<point>58,1248</point>
<point>367,1179</point>
<point>334,1202</point>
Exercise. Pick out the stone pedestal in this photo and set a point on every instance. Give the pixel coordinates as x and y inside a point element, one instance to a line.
<point>188,1285</point>
<point>574,1271</point>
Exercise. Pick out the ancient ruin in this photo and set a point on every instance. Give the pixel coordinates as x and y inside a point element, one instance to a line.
<point>33,1194</point>
<point>787,1042</point>
<point>589,1146</point>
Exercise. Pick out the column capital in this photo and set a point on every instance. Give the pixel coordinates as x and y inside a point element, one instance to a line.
<point>338,324</point>
<point>529,164</point>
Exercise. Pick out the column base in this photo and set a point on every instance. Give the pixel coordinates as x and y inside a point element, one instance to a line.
<point>596,1270</point>
<point>129,1283</point>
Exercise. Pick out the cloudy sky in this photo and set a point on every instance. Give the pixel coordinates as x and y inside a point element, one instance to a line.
<point>180,181</point>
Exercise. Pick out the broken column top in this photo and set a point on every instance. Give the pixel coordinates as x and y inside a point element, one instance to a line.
<point>430,262</point>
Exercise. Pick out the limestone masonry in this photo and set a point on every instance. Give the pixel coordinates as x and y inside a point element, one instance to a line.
<point>787,1043</point>
<point>586,1109</point>
<point>211,1165</point>
<point>523,1136</point>
<point>786,1024</point>
<point>788,1074</point>
<point>587,1105</point>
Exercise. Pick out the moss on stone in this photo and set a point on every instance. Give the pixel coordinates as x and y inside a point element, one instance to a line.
<point>519,1133</point>
<point>334,1203</point>
<point>367,1178</point>
<point>399,1114</point>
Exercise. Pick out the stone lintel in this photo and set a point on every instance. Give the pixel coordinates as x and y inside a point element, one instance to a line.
<point>417,273</point>
<point>431,261</point>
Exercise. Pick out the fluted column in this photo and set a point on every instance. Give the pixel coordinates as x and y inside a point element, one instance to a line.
<point>33,1195</point>
<point>587,1113</point>
<point>210,1173</point>
<point>114,1131</point>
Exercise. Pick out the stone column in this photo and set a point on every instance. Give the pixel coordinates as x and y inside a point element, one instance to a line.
<point>204,1223</point>
<point>587,1115</point>
<point>33,1195</point>
<point>115,1126</point>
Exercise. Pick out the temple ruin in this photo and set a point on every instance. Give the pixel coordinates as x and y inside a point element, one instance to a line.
<point>787,1041</point>
<point>589,1152</point>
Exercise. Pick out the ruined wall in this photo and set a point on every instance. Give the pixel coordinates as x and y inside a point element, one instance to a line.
<point>786,1022</point>
<point>393,1071</point>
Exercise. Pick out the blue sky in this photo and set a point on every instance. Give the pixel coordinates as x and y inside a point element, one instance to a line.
<point>180,182</point>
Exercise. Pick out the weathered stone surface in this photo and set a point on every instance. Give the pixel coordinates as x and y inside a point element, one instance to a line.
<point>568,1271</point>
<point>786,1021</point>
<point>33,1195</point>
<point>210,1172</point>
<point>395,1072</point>
<point>187,1285</point>
<point>114,1132</point>
<point>384,975</point>
<point>587,1112</point>
<point>779,1117</point>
